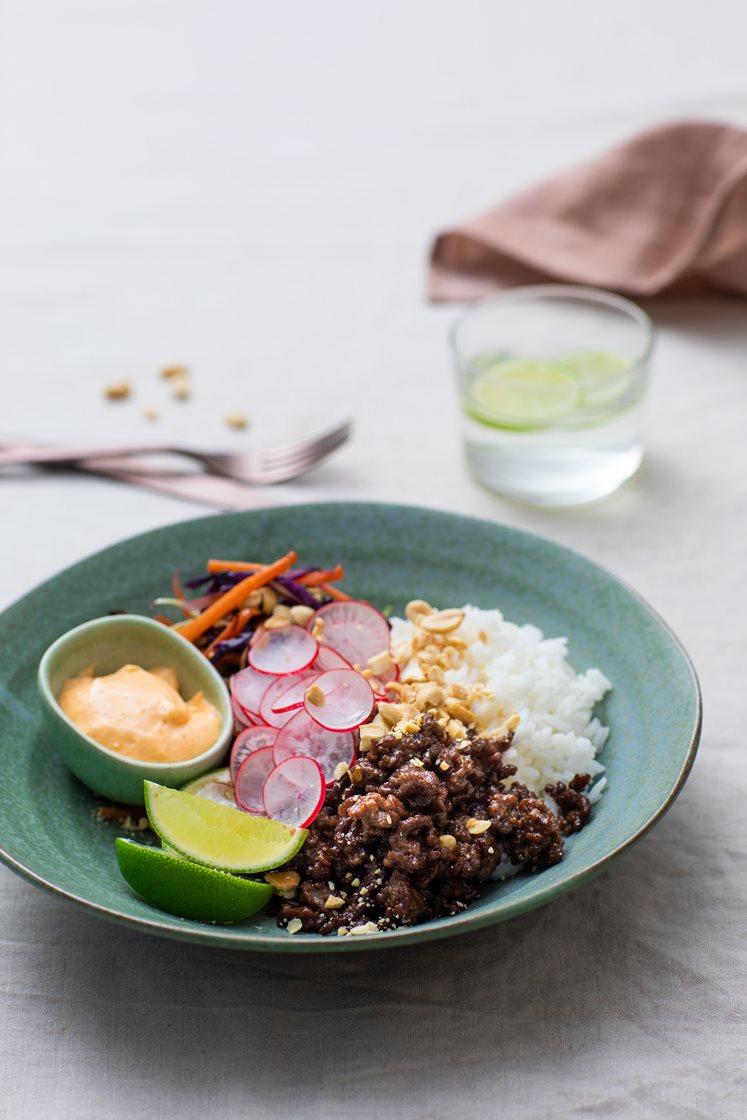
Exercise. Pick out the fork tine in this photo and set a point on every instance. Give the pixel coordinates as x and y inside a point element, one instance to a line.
<point>311,453</point>
<point>332,436</point>
<point>293,466</point>
<point>273,458</point>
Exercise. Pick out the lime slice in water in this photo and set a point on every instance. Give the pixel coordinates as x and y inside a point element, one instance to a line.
<point>605,376</point>
<point>187,889</point>
<point>217,835</point>
<point>522,393</point>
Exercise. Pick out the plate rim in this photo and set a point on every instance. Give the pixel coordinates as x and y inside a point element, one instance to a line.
<point>224,937</point>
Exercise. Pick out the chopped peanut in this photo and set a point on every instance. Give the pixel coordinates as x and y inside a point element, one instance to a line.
<point>381,663</point>
<point>456,709</point>
<point>417,609</point>
<point>276,622</point>
<point>315,695</point>
<point>370,732</point>
<point>118,391</point>
<point>477,827</point>
<point>301,614</point>
<point>391,713</point>
<point>429,696</point>
<point>181,390</point>
<point>442,622</point>
<point>283,880</point>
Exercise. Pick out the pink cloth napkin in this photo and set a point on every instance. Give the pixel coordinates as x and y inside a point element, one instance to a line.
<point>665,211</point>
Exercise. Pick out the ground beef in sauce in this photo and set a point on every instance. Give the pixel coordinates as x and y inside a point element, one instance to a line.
<point>404,835</point>
<point>574,807</point>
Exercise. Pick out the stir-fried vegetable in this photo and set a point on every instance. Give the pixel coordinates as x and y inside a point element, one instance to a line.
<point>193,628</point>
<point>235,597</point>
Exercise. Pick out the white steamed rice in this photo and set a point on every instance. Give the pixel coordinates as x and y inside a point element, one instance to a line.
<point>524,672</point>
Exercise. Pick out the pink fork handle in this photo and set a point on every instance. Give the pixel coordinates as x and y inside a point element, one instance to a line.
<point>204,489</point>
<point>27,453</point>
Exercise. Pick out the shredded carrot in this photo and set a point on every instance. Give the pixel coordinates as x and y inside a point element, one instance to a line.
<point>193,628</point>
<point>164,619</point>
<point>228,631</point>
<point>334,592</point>
<point>316,579</point>
<point>233,627</point>
<point>178,593</point>
<point>214,566</point>
<point>243,617</point>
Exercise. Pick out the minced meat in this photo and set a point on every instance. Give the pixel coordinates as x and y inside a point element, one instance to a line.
<point>416,826</point>
<point>574,807</point>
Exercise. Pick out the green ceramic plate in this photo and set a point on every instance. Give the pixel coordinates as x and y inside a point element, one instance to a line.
<point>392,554</point>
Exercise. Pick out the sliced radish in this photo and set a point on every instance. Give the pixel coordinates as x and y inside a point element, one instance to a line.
<point>348,700</point>
<point>329,658</point>
<point>251,739</point>
<point>294,791</point>
<point>294,685</point>
<point>303,735</point>
<point>291,649</point>
<point>284,705</point>
<point>354,629</point>
<point>250,779</point>
<point>292,698</point>
<point>247,689</point>
<point>241,718</point>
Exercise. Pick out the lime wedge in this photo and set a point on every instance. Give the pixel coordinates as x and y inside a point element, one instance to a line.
<point>216,785</point>
<point>217,835</point>
<point>222,775</point>
<point>186,889</point>
<point>605,376</point>
<point>522,393</point>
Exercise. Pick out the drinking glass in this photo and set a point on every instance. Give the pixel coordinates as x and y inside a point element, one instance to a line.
<point>551,382</point>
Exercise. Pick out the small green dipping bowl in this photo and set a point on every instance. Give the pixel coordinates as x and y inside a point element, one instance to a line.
<point>108,644</point>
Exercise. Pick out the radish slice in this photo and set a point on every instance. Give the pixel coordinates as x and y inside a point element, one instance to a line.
<point>294,791</point>
<point>291,699</point>
<point>250,740</point>
<point>241,718</point>
<point>302,735</point>
<point>354,629</point>
<point>348,700</point>
<point>247,689</point>
<point>329,658</point>
<point>250,779</point>
<point>283,706</point>
<point>293,686</point>
<point>279,652</point>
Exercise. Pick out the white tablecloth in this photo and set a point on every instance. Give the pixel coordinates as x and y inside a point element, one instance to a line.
<point>251,188</point>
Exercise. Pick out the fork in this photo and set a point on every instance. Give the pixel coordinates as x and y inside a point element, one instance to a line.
<point>262,467</point>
